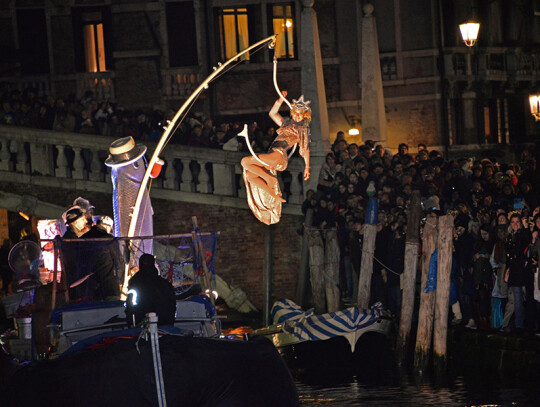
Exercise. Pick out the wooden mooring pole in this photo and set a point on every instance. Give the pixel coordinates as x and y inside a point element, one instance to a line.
<point>304,260</point>
<point>412,243</point>
<point>268,273</point>
<point>442,300</point>
<point>427,300</point>
<point>368,248</point>
<point>316,269</point>
<point>331,270</point>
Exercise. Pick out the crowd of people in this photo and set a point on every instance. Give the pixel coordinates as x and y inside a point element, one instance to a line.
<point>89,116</point>
<point>497,217</point>
<point>497,220</point>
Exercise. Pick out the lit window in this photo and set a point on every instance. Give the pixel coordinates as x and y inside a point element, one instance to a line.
<point>233,28</point>
<point>283,25</point>
<point>94,43</point>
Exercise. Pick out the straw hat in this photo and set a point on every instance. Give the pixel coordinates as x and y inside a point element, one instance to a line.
<point>123,152</point>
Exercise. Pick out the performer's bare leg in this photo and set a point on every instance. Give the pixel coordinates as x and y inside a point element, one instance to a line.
<point>259,176</point>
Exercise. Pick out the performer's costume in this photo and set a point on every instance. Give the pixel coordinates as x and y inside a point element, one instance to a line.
<point>264,206</point>
<point>127,171</point>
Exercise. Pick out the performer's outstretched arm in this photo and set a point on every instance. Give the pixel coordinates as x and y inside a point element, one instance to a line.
<point>306,161</point>
<point>274,112</point>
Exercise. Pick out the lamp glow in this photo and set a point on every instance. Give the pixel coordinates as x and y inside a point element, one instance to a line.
<point>24,215</point>
<point>469,32</point>
<point>353,122</point>
<point>534,101</point>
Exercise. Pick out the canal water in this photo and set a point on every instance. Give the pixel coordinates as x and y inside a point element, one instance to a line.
<point>381,383</point>
<point>460,392</point>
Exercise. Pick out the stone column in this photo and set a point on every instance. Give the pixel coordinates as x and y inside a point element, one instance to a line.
<point>470,134</point>
<point>313,89</point>
<point>373,112</point>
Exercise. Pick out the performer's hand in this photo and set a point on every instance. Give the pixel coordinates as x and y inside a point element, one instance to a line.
<point>306,173</point>
<point>284,93</point>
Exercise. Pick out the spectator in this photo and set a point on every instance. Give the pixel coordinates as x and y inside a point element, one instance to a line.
<point>327,174</point>
<point>516,247</point>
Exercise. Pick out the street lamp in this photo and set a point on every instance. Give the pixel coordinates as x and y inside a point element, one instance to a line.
<point>469,32</point>
<point>534,101</point>
<point>353,122</point>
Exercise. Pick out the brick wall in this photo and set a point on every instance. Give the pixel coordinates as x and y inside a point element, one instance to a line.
<point>240,248</point>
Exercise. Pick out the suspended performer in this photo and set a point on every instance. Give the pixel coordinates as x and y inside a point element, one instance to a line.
<point>260,171</point>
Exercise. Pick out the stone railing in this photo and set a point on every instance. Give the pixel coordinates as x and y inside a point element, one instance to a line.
<point>70,160</point>
<point>492,63</point>
<point>40,83</point>
<point>179,83</point>
<point>101,84</point>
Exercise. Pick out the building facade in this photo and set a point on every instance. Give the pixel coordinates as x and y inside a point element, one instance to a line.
<point>153,54</point>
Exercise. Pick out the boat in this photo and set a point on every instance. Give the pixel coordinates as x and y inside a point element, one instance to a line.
<point>155,366</point>
<point>342,339</point>
<point>74,323</point>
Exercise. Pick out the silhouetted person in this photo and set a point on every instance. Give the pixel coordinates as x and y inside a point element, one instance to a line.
<point>149,292</point>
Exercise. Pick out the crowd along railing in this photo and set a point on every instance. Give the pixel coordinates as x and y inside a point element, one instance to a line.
<point>43,154</point>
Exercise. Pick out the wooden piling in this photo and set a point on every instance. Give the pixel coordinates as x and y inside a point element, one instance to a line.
<point>331,269</point>
<point>304,260</point>
<point>442,295</point>
<point>268,273</point>
<point>412,243</point>
<point>316,269</point>
<point>427,300</point>
<point>368,248</point>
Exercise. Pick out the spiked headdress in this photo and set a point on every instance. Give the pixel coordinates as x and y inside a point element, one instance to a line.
<point>301,105</point>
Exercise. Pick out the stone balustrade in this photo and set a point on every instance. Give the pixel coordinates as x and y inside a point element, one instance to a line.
<point>179,83</point>
<point>101,84</point>
<point>70,160</point>
<point>492,63</point>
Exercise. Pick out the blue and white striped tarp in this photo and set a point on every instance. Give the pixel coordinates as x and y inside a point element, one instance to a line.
<point>286,310</point>
<point>325,326</point>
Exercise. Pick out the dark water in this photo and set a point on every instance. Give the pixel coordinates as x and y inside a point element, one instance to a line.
<point>373,379</point>
<point>356,392</point>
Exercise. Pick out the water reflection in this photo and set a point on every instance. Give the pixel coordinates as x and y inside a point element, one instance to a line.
<point>400,390</point>
<point>355,393</point>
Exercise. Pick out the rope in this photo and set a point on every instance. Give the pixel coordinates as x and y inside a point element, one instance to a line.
<point>330,279</point>
<point>431,224</point>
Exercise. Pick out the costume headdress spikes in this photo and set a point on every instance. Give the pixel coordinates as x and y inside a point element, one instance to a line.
<point>301,105</point>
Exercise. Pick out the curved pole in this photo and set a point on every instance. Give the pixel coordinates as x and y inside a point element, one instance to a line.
<point>163,139</point>
<point>282,98</point>
<point>276,85</point>
<point>244,133</point>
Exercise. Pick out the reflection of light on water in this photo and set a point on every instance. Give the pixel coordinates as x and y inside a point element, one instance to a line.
<point>402,393</point>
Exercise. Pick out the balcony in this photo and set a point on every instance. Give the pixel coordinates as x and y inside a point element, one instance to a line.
<point>492,64</point>
<point>101,84</point>
<point>75,161</point>
<point>179,83</point>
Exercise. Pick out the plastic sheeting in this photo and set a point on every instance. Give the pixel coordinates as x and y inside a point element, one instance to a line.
<point>196,372</point>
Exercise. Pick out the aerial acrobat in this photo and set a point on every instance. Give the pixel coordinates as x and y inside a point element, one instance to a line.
<point>260,171</point>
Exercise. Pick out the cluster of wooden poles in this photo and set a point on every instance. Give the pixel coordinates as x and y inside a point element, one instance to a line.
<point>323,260</point>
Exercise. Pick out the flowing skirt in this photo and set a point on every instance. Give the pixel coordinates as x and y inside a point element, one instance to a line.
<point>265,207</point>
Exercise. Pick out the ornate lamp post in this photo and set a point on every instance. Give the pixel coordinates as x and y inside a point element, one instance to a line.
<point>469,32</point>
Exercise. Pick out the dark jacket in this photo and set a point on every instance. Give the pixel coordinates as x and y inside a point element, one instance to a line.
<point>516,247</point>
<point>105,264</point>
<point>154,294</point>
